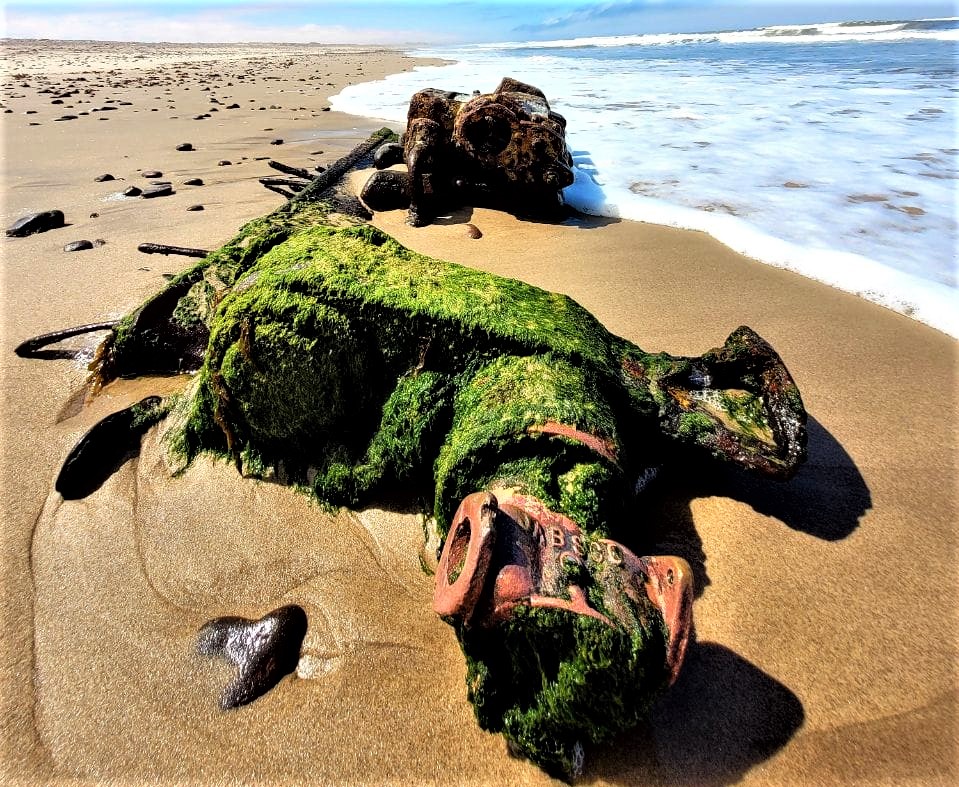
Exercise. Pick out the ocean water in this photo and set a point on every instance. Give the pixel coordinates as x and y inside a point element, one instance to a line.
<point>828,149</point>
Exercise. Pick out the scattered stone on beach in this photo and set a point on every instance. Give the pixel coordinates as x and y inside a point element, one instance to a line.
<point>184,146</point>
<point>132,191</point>
<point>387,155</point>
<point>78,245</point>
<point>387,189</point>
<point>195,207</point>
<point>99,242</point>
<point>276,142</point>
<point>473,231</point>
<point>263,651</point>
<point>152,173</point>
<point>325,109</point>
<point>224,163</point>
<point>94,215</point>
<point>103,178</point>
<point>65,117</point>
<point>233,106</point>
<point>193,182</point>
<point>36,222</point>
<point>162,190</point>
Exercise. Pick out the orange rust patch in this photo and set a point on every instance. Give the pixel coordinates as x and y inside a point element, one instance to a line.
<point>605,448</point>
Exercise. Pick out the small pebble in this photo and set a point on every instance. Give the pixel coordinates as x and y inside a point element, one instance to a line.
<point>94,215</point>
<point>103,178</point>
<point>184,146</point>
<point>473,231</point>
<point>132,191</point>
<point>152,173</point>
<point>193,182</point>
<point>78,245</point>
<point>277,142</point>
<point>224,163</point>
<point>195,207</point>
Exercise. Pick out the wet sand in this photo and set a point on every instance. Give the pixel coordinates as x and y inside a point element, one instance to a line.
<point>826,630</point>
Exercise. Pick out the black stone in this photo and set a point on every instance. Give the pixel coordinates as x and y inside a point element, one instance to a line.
<point>132,191</point>
<point>277,142</point>
<point>36,222</point>
<point>195,207</point>
<point>263,651</point>
<point>103,178</point>
<point>387,189</point>
<point>65,117</point>
<point>162,190</point>
<point>152,173</point>
<point>78,245</point>
<point>185,146</point>
<point>193,182</point>
<point>224,163</point>
<point>105,447</point>
<point>387,155</point>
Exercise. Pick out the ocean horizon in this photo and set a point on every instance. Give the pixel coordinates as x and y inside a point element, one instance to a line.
<point>829,149</point>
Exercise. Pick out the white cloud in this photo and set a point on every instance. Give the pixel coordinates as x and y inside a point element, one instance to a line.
<point>207,27</point>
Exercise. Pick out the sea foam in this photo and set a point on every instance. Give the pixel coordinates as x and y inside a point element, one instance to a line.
<point>834,159</point>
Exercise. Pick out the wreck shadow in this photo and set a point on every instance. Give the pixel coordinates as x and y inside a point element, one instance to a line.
<point>723,717</point>
<point>826,499</point>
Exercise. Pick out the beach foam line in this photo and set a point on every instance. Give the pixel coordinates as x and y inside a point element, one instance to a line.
<point>926,301</point>
<point>823,32</point>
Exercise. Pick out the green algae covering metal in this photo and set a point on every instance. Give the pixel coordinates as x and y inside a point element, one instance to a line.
<point>330,357</point>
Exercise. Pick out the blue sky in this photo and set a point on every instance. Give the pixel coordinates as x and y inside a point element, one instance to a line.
<point>426,21</point>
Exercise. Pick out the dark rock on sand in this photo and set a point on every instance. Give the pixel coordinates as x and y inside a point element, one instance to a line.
<point>387,189</point>
<point>65,117</point>
<point>103,178</point>
<point>473,231</point>
<point>277,142</point>
<point>36,222</point>
<point>387,155</point>
<point>224,163</point>
<point>263,650</point>
<point>193,182</point>
<point>184,146</point>
<point>105,447</point>
<point>132,191</point>
<point>152,173</point>
<point>162,190</point>
<point>195,207</point>
<point>78,245</point>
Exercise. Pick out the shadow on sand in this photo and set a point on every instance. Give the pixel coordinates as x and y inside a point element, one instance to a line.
<point>826,499</point>
<point>723,717</point>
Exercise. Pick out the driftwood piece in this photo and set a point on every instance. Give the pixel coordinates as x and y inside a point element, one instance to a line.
<point>163,248</point>
<point>287,169</point>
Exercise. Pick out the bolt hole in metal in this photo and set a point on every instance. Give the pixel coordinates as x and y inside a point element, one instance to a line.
<point>458,550</point>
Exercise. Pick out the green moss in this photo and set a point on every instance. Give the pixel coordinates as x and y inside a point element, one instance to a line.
<point>496,415</point>
<point>695,425</point>
<point>552,682</point>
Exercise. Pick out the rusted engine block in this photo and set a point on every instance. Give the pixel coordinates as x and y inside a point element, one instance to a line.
<point>505,149</point>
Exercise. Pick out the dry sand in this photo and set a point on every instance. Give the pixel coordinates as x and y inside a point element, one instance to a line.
<point>826,613</point>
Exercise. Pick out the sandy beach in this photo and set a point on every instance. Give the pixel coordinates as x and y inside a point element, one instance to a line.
<point>827,636</point>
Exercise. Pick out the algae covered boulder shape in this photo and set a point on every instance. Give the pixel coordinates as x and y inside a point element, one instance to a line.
<point>329,356</point>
